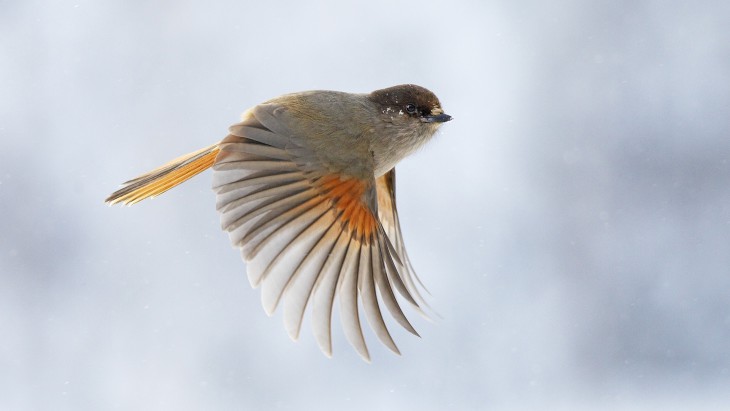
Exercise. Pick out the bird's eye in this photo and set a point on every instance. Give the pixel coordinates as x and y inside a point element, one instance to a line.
<point>410,108</point>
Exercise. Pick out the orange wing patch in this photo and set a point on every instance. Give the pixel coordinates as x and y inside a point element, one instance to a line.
<point>349,200</point>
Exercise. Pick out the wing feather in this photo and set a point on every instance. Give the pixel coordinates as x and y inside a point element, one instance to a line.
<point>277,242</point>
<point>388,215</point>
<point>291,258</point>
<point>369,298</point>
<point>349,315</point>
<point>300,286</point>
<point>323,293</point>
<point>384,286</point>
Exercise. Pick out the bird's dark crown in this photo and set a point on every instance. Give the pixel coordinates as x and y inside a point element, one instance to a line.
<point>409,99</point>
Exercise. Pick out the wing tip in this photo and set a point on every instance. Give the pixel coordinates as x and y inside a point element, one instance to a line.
<point>365,357</point>
<point>327,351</point>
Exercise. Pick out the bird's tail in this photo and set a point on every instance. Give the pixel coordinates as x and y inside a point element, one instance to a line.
<point>166,177</point>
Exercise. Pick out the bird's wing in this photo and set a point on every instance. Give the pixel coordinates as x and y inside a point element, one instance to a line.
<point>307,232</point>
<point>388,215</point>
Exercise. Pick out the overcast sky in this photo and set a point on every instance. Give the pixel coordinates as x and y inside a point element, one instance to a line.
<point>572,223</point>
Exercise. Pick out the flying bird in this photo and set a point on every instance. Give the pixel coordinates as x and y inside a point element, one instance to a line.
<point>305,188</point>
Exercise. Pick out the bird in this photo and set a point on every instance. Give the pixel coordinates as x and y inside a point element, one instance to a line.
<point>305,188</point>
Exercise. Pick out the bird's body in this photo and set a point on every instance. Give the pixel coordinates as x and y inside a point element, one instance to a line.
<point>305,187</point>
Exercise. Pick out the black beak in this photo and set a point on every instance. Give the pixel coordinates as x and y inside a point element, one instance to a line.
<point>440,118</point>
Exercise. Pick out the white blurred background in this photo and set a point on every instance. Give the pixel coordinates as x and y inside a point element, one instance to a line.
<point>572,222</point>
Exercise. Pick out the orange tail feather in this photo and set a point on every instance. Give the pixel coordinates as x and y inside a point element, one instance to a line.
<point>166,177</point>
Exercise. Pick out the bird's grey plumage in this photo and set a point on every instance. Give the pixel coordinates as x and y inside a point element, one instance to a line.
<point>305,187</point>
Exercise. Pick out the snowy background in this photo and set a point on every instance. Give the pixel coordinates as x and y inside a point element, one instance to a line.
<point>572,222</point>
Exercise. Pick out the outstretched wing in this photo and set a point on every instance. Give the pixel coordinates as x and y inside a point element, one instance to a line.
<point>308,233</point>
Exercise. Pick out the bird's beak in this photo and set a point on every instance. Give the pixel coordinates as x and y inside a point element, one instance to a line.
<point>438,118</point>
